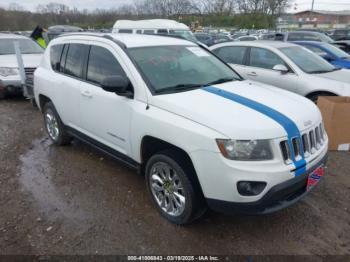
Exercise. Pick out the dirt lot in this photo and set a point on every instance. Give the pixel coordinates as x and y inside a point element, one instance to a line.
<point>75,200</point>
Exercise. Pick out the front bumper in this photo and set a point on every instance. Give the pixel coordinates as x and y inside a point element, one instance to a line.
<point>278,197</point>
<point>11,85</point>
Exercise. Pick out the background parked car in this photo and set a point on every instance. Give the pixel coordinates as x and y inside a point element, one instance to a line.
<point>10,79</point>
<point>56,30</point>
<point>204,38</point>
<point>154,26</point>
<point>303,36</point>
<point>247,38</point>
<point>268,36</point>
<point>341,34</point>
<point>236,35</point>
<point>343,45</point>
<point>285,65</point>
<point>329,52</point>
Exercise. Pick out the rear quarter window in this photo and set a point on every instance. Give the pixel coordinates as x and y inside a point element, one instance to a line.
<point>55,57</point>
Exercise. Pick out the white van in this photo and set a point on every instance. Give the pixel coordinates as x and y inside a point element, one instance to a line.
<point>154,26</point>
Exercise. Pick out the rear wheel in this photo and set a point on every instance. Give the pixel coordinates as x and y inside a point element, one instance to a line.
<point>2,93</point>
<point>54,126</point>
<point>174,195</point>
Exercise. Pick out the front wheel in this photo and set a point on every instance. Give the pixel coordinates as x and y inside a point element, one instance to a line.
<point>54,126</point>
<point>173,193</point>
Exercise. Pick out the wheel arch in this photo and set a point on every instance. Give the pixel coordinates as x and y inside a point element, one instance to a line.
<point>320,92</point>
<point>151,145</point>
<point>43,100</point>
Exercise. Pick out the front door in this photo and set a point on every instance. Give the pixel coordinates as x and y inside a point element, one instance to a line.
<point>105,116</point>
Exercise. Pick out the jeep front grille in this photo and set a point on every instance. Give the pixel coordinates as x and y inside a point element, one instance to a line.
<point>311,142</point>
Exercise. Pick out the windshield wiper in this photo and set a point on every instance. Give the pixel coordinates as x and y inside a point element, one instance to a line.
<point>221,81</point>
<point>178,88</point>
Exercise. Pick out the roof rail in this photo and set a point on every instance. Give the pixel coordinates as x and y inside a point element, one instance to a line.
<point>101,35</point>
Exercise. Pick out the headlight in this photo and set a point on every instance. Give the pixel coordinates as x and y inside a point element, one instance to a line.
<point>8,71</point>
<point>245,150</point>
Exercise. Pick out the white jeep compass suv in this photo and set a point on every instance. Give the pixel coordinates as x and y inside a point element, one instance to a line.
<point>200,134</point>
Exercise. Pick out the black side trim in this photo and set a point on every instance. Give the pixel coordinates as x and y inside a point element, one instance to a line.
<point>279,197</point>
<point>105,149</point>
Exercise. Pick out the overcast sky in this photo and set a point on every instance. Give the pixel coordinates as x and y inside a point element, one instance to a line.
<point>106,4</point>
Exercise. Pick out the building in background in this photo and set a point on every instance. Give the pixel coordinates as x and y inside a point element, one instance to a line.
<point>317,19</point>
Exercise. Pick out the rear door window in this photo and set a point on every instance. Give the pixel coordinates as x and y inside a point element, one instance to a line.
<point>75,60</point>
<point>232,54</point>
<point>101,64</point>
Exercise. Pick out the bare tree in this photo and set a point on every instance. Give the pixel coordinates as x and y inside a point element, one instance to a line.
<point>15,7</point>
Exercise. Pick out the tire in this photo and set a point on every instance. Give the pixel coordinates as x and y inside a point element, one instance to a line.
<point>54,126</point>
<point>314,97</point>
<point>193,206</point>
<point>33,103</point>
<point>2,94</point>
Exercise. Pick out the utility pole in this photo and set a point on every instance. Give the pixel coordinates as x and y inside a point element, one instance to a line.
<point>312,10</point>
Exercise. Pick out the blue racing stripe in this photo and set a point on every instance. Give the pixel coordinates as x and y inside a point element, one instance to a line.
<point>288,125</point>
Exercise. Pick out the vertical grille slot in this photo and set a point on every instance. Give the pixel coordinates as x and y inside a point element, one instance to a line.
<point>306,144</point>
<point>321,132</point>
<point>296,147</point>
<point>318,137</point>
<point>285,151</point>
<point>312,140</point>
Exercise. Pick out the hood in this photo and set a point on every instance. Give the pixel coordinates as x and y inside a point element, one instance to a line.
<point>235,120</point>
<point>29,60</point>
<point>342,75</point>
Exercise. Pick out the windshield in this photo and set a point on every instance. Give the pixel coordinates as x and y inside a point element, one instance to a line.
<point>185,34</point>
<point>307,60</point>
<point>336,51</point>
<point>180,68</point>
<point>26,46</point>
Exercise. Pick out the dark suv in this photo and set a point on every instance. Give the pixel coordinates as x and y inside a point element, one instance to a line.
<point>303,36</point>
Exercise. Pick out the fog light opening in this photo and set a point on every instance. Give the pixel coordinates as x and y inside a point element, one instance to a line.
<point>248,188</point>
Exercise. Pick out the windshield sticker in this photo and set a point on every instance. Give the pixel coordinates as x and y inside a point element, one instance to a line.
<point>198,51</point>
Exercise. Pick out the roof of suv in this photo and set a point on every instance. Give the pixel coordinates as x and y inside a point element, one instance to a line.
<point>131,40</point>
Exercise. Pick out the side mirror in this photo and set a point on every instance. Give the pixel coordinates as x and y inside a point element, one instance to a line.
<point>281,68</point>
<point>117,84</point>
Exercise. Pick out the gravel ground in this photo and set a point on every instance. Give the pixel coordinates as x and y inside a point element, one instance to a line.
<point>75,200</point>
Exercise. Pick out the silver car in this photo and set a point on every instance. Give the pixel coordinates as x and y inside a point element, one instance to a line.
<point>287,66</point>
<point>10,80</point>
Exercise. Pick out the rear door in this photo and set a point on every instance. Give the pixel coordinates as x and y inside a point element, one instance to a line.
<point>68,80</point>
<point>261,62</point>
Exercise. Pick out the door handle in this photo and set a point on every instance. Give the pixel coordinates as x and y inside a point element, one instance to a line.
<point>86,94</point>
<point>252,74</point>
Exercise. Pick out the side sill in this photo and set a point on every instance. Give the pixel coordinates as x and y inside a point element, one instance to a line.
<point>131,163</point>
